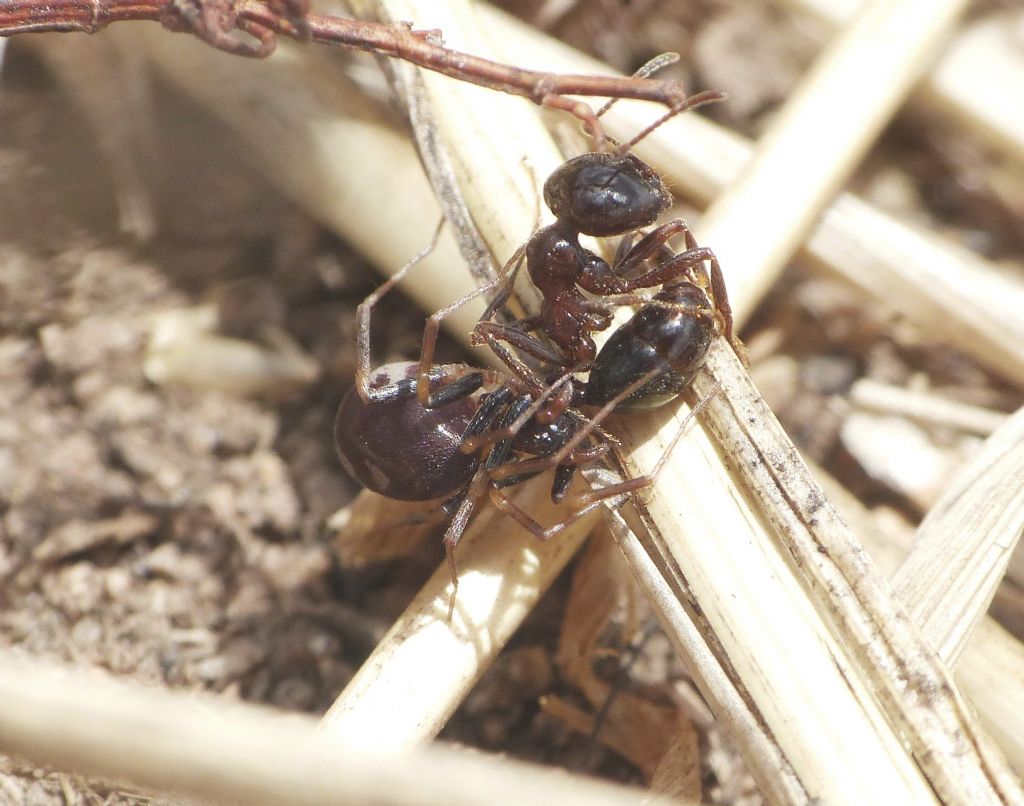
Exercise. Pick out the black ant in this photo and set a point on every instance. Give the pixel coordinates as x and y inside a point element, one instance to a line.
<point>600,194</point>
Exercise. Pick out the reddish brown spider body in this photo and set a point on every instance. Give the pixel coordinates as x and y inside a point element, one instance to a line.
<point>403,451</point>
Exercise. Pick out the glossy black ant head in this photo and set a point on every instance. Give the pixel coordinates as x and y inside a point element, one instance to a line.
<point>605,194</point>
<point>396,447</point>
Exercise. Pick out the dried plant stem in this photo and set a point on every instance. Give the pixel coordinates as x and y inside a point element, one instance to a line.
<point>224,752</point>
<point>754,229</point>
<point>991,671</point>
<point>926,407</point>
<point>215,21</point>
<point>873,632</point>
<point>948,292</point>
<point>818,137</point>
<point>324,144</point>
<point>978,80</point>
<point>425,666</point>
<point>991,668</point>
<point>964,543</point>
<point>728,696</point>
<point>497,136</point>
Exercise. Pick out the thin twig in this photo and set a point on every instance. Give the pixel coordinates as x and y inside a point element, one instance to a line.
<point>215,22</point>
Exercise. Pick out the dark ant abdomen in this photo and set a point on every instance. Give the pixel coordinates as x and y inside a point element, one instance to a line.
<point>394,446</point>
<point>670,342</point>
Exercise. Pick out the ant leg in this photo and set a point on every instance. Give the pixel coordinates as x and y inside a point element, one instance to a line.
<point>720,299</point>
<point>638,483</point>
<point>649,245</point>
<point>608,303</point>
<point>363,313</point>
<point>591,125</point>
<point>518,366</point>
<point>624,248</point>
<point>516,261</point>
<point>680,266</point>
<point>433,325</point>
<point>542,463</point>
<point>457,528</point>
<point>537,385</point>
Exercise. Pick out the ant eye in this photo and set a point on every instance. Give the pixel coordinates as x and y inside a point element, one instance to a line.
<point>606,194</point>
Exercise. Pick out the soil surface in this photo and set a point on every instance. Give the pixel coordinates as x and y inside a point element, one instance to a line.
<point>178,535</point>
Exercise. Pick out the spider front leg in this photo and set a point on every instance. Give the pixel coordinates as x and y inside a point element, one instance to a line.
<point>564,474</point>
<point>504,281</point>
<point>457,527</point>
<point>518,337</point>
<point>542,463</point>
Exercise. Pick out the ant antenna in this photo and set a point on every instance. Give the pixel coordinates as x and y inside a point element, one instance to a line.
<point>701,98</point>
<point>646,71</point>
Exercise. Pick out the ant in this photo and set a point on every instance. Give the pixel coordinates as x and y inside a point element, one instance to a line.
<point>464,444</point>
<point>600,194</point>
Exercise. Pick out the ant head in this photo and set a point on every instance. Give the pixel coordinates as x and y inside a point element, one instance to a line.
<point>606,194</point>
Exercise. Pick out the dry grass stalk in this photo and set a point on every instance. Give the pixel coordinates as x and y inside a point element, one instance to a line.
<point>991,669</point>
<point>425,666</point>
<point>950,293</point>
<point>978,81</point>
<point>925,407</point>
<point>859,607</point>
<point>222,752</point>
<point>755,229</point>
<point>727,695</point>
<point>324,144</point>
<point>818,137</point>
<point>964,543</point>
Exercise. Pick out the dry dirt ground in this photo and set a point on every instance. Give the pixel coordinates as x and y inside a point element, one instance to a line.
<point>177,536</point>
